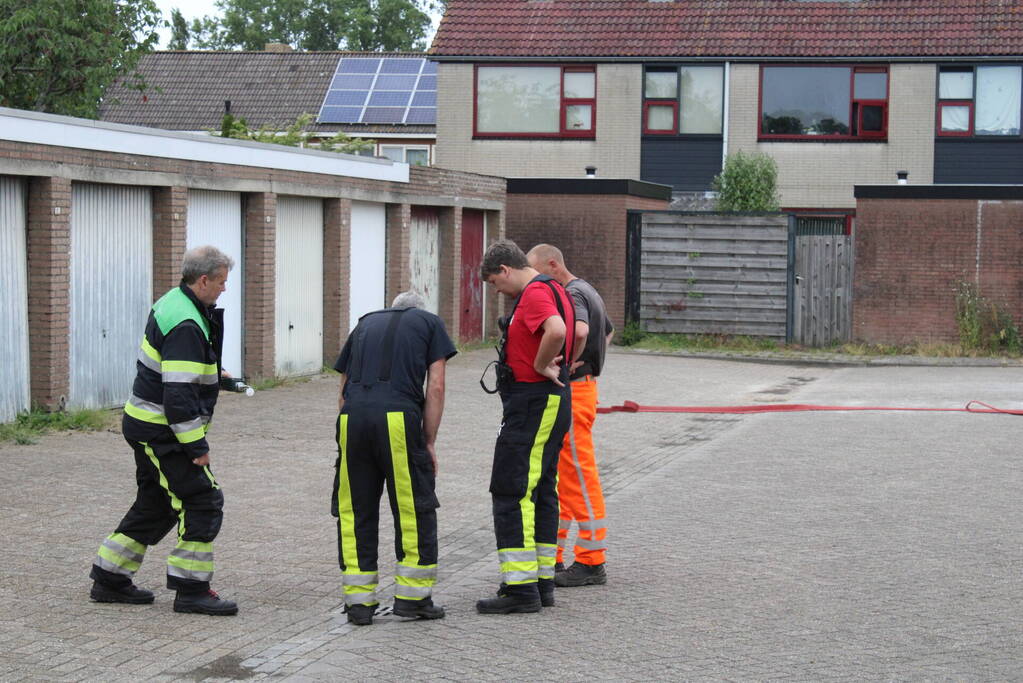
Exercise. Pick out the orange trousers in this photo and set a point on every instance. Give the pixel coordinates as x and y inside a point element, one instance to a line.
<point>579,495</point>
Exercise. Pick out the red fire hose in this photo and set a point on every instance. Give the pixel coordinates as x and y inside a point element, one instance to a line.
<point>633,407</point>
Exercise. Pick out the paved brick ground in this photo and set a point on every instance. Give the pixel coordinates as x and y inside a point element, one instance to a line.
<point>803,546</point>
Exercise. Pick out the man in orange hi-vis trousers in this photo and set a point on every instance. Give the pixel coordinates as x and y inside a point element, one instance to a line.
<point>579,494</point>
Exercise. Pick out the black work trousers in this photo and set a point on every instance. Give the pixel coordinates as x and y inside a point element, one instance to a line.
<point>172,491</point>
<point>523,482</point>
<point>382,443</point>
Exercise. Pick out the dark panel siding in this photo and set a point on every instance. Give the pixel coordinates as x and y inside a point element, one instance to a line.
<point>978,161</point>
<point>686,165</point>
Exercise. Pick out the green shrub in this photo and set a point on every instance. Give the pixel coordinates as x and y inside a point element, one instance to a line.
<point>983,324</point>
<point>631,335</point>
<point>747,183</point>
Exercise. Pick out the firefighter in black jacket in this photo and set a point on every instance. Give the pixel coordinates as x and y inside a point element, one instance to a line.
<point>165,422</point>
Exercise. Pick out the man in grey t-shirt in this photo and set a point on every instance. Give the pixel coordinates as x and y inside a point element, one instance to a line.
<point>579,494</point>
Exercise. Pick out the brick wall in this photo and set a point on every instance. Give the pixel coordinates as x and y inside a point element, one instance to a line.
<point>170,216</point>
<point>910,253</point>
<point>337,236</point>
<point>49,285</point>
<point>260,274</point>
<point>589,230</point>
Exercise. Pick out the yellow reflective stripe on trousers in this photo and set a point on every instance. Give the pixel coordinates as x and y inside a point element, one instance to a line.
<point>543,433</point>
<point>120,554</point>
<point>518,565</point>
<point>174,500</point>
<point>406,503</point>
<point>345,512</point>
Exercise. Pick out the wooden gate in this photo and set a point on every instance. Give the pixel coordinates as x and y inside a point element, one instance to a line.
<point>822,295</point>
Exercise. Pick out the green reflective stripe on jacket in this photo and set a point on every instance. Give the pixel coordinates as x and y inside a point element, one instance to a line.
<point>190,435</point>
<point>149,356</point>
<point>189,372</point>
<point>174,307</point>
<point>145,411</point>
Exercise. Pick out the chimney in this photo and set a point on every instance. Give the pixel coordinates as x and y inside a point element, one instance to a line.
<point>277,47</point>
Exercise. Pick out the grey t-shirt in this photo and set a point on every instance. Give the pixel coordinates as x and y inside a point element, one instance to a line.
<point>589,308</point>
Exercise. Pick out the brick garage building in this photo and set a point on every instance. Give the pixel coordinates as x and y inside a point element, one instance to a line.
<point>47,157</point>
<point>587,219</point>
<point>914,243</point>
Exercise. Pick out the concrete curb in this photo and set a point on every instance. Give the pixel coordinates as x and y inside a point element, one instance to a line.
<point>830,360</point>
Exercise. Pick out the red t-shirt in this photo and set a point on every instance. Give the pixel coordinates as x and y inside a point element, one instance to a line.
<point>536,304</point>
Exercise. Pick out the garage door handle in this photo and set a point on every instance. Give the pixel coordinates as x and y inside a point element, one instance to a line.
<point>291,326</point>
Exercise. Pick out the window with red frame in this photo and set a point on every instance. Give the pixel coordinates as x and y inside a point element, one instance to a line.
<point>982,101</point>
<point>683,100</point>
<point>823,102</point>
<point>536,101</point>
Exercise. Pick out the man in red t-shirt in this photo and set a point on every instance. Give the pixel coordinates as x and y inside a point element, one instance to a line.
<point>536,342</point>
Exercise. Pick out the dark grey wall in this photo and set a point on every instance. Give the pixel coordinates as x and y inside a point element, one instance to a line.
<point>688,165</point>
<point>978,161</point>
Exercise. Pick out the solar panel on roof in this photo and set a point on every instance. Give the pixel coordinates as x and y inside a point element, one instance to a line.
<point>400,66</point>
<point>421,115</point>
<point>383,115</point>
<point>390,99</point>
<point>358,65</point>
<point>351,82</point>
<point>352,98</point>
<point>424,99</point>
<point>381,90</point>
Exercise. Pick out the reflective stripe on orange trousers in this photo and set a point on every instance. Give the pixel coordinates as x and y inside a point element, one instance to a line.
<point>579,493</point>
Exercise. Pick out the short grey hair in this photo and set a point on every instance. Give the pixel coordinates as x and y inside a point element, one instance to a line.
<point>205,260</point>
<point>409,299</point>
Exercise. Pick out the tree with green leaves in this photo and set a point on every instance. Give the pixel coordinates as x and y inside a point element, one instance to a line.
<point>59,56</point>
<point>388,25</point>
<point>748,182</point>
<point>179,31</point>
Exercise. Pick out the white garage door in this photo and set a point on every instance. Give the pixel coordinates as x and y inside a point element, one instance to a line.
<point>299,286</point>
<point>216,218</point>
<point>368,273</point>
<point>111,289</point>
<point>14,387</point>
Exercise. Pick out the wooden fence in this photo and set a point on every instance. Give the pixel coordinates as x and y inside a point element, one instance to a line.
<point>707,273</point>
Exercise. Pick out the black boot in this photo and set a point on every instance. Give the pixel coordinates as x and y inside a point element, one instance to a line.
<point>204,603</point>
<point>129,594</point>
<point>580,574</point>
<point>511,599</point>
<point>360,615</point>
<point>417,609</point>
<point>546,587</point>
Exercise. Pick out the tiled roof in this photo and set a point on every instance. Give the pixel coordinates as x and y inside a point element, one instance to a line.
<point>265,88</point>
<point>730,28</point>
